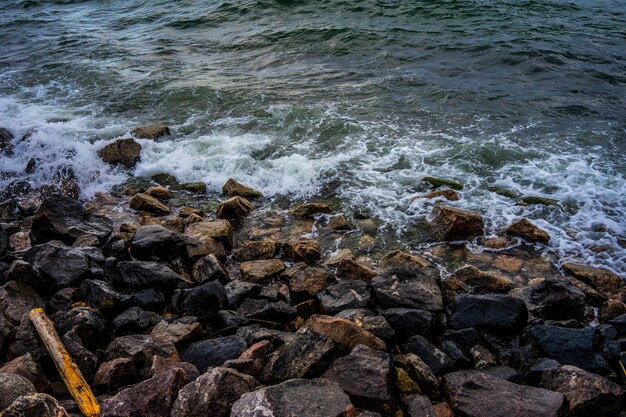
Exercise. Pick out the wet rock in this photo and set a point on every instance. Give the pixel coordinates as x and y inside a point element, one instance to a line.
<point>185,212</point>
<point>587,394</point>
<point>154,131</point>
<point>213,393</point>
<point>135,320</point>
<point>125,151</point>
<point>309,210</point>
<point>139,274</point>
<point>307,251</point>
<point>100,294</point>
<point>202,301</point>
<point>140,348</point>
<point>156,243</point>
<point>235,209</point>
<point>213,352</point>
<point>306,282</point>
<point>441,182</point>
<point>366,375</point>
<point>407,289</point>
<point>16,300</point>
<point>351,269</point>
<point>419,406</point>
<point>233,188</point>
<point>553,298</point>
<point>208,269</point>
<point>405,261</point>
<point>305,355</point>
<point>343,332</point>
<point>479,394</point>
<point>276,312</point>
<point>471,280</point>
<point>238,291</point>
<point>447,193</point>
<point>194,187</point>
<point>575,347</point>
<point>151,398</point>
<point>436,360</point>
<point>27,367</point>
<point>21,271</point>
<point>455,224</point>
<point>115,373</point>
<point>255,250</point>
<point>297,397</point>
<point>525,229</point>
<point>6,145</point>
<point>407,322</point>
<point>531,199</point>
<point>177,331</point>
<point>419,371</point>
<point>344,296</point>
<point>165,179</point>
<point>160,193</point>
<point>199,234</point>
<point>339,223</point>
<point>4,241</point>
<point>495,312</point>
<point>144,202</point>
<point>12,387</point>
<point>262,270</point>
<point>606,282</point>
<point>63,218</point>
<point>40,405</point>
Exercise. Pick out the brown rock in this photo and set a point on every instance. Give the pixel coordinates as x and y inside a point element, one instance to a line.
<point>235,208</point>
<point>509,264</point>
<point>232,189</point>
<point>115,373</point>
<point>220,230</point>
<point>262,270</point>
<point>185,212</point>
<point>309,210</point>
<point>455,224</point>
<point>527,230</point>
<point>35,405</point>
<point>443,410</point>
<point>159,192</point>
<point>471,280</point>
<point>307,251</point>
<point>483,358</point>
<point>406,260</point>
<point>123,151</point>
<point>144,202</point>
<point>177,332</point>
<point>343,254</point>
<point>160,365</point>
<point>419,372</point>
<point>339,222</point>
<point>447,193</point>
<point>305,281</point>
<point>27,367</point>
<point>194,187</point>
<point>350,269</point>
<point>19,242</point>
<point>606,282</point>
<point>191,219</point>
<point>154,131</point>
<point>255,250</point>
<point>609,310</point>
<point>496,242</point>
<point>343,332</point>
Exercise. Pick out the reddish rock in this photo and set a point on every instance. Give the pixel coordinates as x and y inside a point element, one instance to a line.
<point>154,131</point>
<point>308,210</point>
<point>235,209</point>
<point>343,332</point>
<point>307,251</point>
<point>525,229</point>
<point>450,223</point>
<point>255,250</point>
<point>124,151</point>
<point>115,373</point>
<point>144,202</point>
<point>262,270</point>
<point>27,367</point>
<point>233,188</point>
<point>405,260</point>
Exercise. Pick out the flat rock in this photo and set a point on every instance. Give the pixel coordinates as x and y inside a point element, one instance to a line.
<point>419,406</point>
<point>255,250</point>
<point>296,397</point>
<point>344,296</point>
<point>366,375</point>
<point>450,223</point>
<point>352,270</point>
<point>309,210</point>
<point>343,332</point>
<point>408,289</point>
<point>471,280</point>
<point>482,395</point>
<point>12,387</point>
<point>125,151</point>
<point>153,397</point>
<point>496,312</point>
<point>606,282</point>
<point>219,230</point>
<point>39,405</point>
<point>145,202</point>
<point>587,394</point>
<point>156,243</point>
<point>554,298</point>
<point>154,131</point>
<point>525,229</point>
<point>307,251</point>
<point>213,393</point>
<point>213,352</point>
<point>235,209</point>
<point>233,188</point>
<point>261,270</point>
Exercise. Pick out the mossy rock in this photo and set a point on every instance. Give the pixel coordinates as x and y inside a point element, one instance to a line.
<point>164,179</point>
<point>503,192</point>
<point>441,182</point>
<point>194,187</point>
<point>529,199</point>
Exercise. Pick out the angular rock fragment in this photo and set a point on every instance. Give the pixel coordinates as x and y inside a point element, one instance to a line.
<point>255,250</point>
<point>493,312</point>
<point>125,151</point>
<point>450,223</point>
<point>419,372</point>
<point>344,296</point>
<point>40,405</point>
<point>307,251</point>
<point>308,210</point>
<point>144,202</point>
<point>554,298</point>
<point>213,352</point>
<point>235,209</point>
<point>115,373</point>
<point>153,131</point>
<point>233,188</point>
<point>606,282</point>
<point>202,301</point>
<point>411,290</point>
<point>156,243</point>
<point>202,234</point>
<point>407,322</point>
<point>140,349</point>
<point>12,387</point>
<point>524,228</point>
<point>262,270</point>
<point>436,360</point>
<point>27,367</point>
<point>343,332</point>
<point>208,269</point>
<point>471,280</point>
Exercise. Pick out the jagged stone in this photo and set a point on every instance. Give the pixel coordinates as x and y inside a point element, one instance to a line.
<point>145,202</point>
<point>156,243</point>
<point>343,332</point>
<point>450,223</point>
<point>235,209</point>
<point>125,151</point>
<point>526,229</point>
<point>153,131</point>
<point>233,188</point>
<point>308,210</point>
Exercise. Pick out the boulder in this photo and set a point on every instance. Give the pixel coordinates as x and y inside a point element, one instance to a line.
<point>235,209</point>
<point>419,372</point>
<point>26,366</point>
<point>344,296</point>
<point>125,151</point>
<point>208,269</point>
<point>577,347</point>
<point>202,301</point>
<point>255,250</point>
<point>447,193</point>
<point>6,142</point>
<point>309,210</point>
<point>405,261</point>
<point>441,182</point>
<point>213,393</point>
<point>253,360</point>
<point>307,251</point>
<point>297,397</point>
<point>144,202</point>
<point>213,352</point>
<point>554,298</point>
<point>135,320</point>
<point>525,229</point>
<point>305,355</point>
<point>65,219</point>
<point>115,373</point>
<point>199,234</point>
<point>177,331</point>
<point>261,270</point>
<point>12,387</point>
<point>495,312</point>
<point>306,282</point>
<point>408,289</point>
<point>233,188</point>
<point>366,375</point>
<point>471,280</point>
<point>140,349</point>
<point>16,301</point>
<point>436,360</point>
<point>156,243</point>
<point>86,322</point>
<point>140,274</point>
<point>153,131</point>
<point>450,223</point>
<point>587,394</point>
<point>606,282</point>
<point>101,295</point>
<point>481,395</point>
<point>343,332</point>
<point>39,405</point>
<point>339,223</point>
<point>407,322</point>
<point>153,397</point>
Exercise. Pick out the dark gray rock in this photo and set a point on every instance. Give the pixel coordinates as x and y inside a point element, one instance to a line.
<point>495,312</point>
<point>213,393</point>
<point>88,324</point>
<point>436,360</point>
<point>277,311</point>
<point>139,274</point>
<point>213,352</point>
<point>202,301</point>
<point>24,272</point>
<point>149,299</point>
<point>140,348</point>
<point>297,397</point>
<point>344,296</point>
<point>208,269</point>
<point>135,320</point>
<point>156,243</point>
<point>39,405</point>
<point>366,375</point>
<point>407,322</point>
<point>86,360</point>
<point>408,289</point>
<point>4,241</point>
<point>6,142</point>
<point>419,406</point>
<point>101,295</point>
<point>12,387</point>
<point>238,291</point>
<point>555,299</point>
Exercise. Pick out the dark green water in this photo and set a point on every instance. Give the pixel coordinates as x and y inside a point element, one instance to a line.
<point>354,99</point>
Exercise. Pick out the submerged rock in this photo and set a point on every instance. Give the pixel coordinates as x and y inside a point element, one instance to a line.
<point>448,194</point>
<point>527,230</point>
<point>124,151</point>
<point>450,223</point>
<point>233,188</point>
<point>440,182</point>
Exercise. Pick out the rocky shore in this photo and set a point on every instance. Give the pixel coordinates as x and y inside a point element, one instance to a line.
<point>175,302</point>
